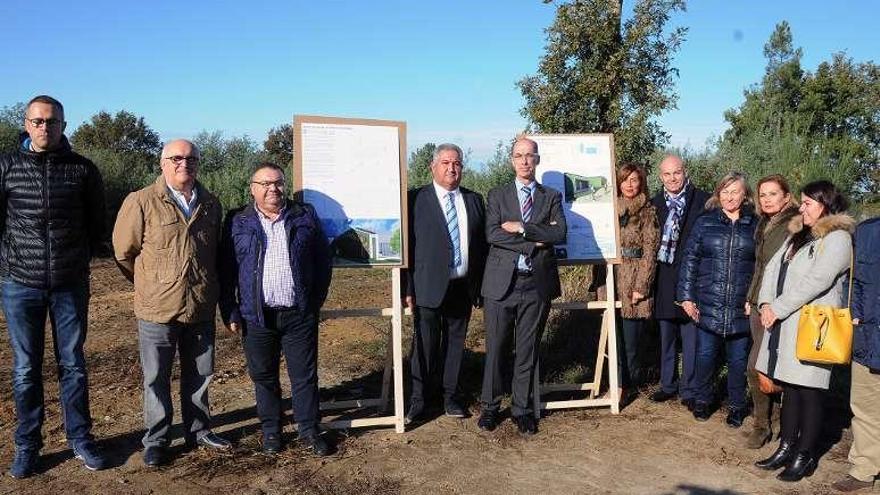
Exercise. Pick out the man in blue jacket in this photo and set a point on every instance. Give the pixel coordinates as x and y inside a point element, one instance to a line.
<point>864,455</point>
<point>275,277</point>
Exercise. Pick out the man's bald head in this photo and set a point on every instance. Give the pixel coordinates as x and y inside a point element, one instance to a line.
<point>673,174</point>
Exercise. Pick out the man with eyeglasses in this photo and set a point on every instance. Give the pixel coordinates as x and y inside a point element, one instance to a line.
<point>52,222</point>
<point>523,222</point>
<point>165,241</point>
<point>275,276</point>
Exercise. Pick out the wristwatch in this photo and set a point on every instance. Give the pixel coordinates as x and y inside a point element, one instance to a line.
<point>522,230</point>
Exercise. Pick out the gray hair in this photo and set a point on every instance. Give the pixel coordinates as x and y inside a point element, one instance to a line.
<point>447,147</point>
<point>714,201</point>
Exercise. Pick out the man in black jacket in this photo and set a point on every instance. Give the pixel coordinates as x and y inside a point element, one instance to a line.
<point>447,246</point>
<point>53,218</point>
<point>678,205</point>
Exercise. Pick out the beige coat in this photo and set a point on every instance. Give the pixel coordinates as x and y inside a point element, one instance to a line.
<point>640,232</point>
<point>171,260</point>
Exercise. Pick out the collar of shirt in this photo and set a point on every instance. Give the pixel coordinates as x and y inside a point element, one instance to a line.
<point>519,185</point>
<point>181,199</point>
<point>263,217</point>
<point>442,192</point>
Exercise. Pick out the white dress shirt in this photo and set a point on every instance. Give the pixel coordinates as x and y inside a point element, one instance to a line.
<point>460,210</point>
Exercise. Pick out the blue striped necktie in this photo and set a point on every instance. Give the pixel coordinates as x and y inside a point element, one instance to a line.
<point>526,216</point>
<point>527,204</point>
<point>452,227</point>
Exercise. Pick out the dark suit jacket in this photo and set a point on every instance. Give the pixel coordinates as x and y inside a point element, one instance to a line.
<point>667,275</point>
<point>429,246</point>
<point>547,226</point>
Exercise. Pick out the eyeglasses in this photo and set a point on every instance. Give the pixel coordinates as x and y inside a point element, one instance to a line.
<point>44,122</point>
<point>178,159</point>
<point>527,156</point>
<point>269,183</point>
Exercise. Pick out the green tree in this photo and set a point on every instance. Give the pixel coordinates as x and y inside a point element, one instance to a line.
<point>226,166</point>
<point>121,133</point>
<point>11,119</point>
<point>419,169</point>
<point>807,126</point>
<point>278,145</point>
<point>496,171</point>
<point>603,74</point>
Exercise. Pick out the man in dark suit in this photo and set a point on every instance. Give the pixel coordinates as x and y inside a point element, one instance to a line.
<point>677,205</point>
<point>523,222</point>
<point>447,247</point>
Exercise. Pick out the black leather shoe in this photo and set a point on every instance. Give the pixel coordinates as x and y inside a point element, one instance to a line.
<point>488,420</point>
<point>526,424</point>
<point>780,458</point>
<point>689,404</point>
<point>416,410</point>
<point>318,445</point>
<point>701,411</point>
<point>213,441</point>
<point>453,410</point>
<point>801,465</point>
<point>272,443</point>
<point>735,417</point>
<point>155,456</point>
<point>662,396</point>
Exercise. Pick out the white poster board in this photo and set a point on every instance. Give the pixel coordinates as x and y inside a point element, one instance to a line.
<point>582,168</point>
<point>353,171</point>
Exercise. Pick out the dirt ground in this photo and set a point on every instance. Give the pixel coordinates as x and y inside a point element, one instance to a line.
<point>648,448</point>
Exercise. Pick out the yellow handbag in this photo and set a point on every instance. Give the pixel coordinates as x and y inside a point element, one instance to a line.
<point>825,333</point>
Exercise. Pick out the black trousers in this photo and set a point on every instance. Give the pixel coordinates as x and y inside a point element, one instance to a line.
<point>296,335</point>
<point>629,366</point>
<point>521,315</point>
<point>438,344</point>
<point>802,415</point>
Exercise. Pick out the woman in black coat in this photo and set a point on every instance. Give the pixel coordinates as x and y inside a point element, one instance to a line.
<point>713,282</point>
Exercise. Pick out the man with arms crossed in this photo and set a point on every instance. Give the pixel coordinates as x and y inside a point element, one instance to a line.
<point>523,222</point>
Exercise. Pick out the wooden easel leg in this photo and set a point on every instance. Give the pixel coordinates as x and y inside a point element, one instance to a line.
<point>397,348</point>
<point>611,322</point>
<point>601,356</point>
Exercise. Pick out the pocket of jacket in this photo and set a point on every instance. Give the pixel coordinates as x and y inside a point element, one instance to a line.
<point>166,266</point>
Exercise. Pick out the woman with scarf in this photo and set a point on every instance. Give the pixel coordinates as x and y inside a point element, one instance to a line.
<point>810,268</point>
<point>777,209</point>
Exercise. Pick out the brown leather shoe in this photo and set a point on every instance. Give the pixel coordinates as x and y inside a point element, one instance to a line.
<point>850,484</point>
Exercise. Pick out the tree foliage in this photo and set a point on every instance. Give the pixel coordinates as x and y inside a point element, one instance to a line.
<point>278,145</point>
<point>11,118</point>
<point>603,74</point>
<point>419,169</point>
<point>226,166</point>
<point>808,125</point>
<point>123,133</point>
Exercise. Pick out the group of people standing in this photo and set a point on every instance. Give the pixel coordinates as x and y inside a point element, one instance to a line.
<point>733,273</point>
<point>716,271</point>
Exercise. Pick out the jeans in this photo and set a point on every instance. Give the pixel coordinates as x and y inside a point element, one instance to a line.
<point>296,335</point>
<point>158,343</point>
<point>26,309</point>
<point>671,331</point>
<point>736,348</point>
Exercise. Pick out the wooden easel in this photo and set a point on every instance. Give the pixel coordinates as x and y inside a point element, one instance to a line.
<point>607,351</point>
<point>396,312</point>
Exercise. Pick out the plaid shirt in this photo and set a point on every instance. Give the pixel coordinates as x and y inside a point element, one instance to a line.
<point>278,289</point>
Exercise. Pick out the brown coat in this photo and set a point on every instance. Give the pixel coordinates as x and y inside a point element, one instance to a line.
<point>171,260</point>
<point>638,231</point>
<point>769,236</point>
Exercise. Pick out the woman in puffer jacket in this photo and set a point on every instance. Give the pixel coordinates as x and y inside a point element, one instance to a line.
<point>810,268</point>
<point>716,270</point>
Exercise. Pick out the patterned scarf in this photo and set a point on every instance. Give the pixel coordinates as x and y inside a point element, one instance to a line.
<point>672,227</point>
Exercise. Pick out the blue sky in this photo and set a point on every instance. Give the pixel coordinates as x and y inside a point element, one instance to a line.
<point>446,68</point>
